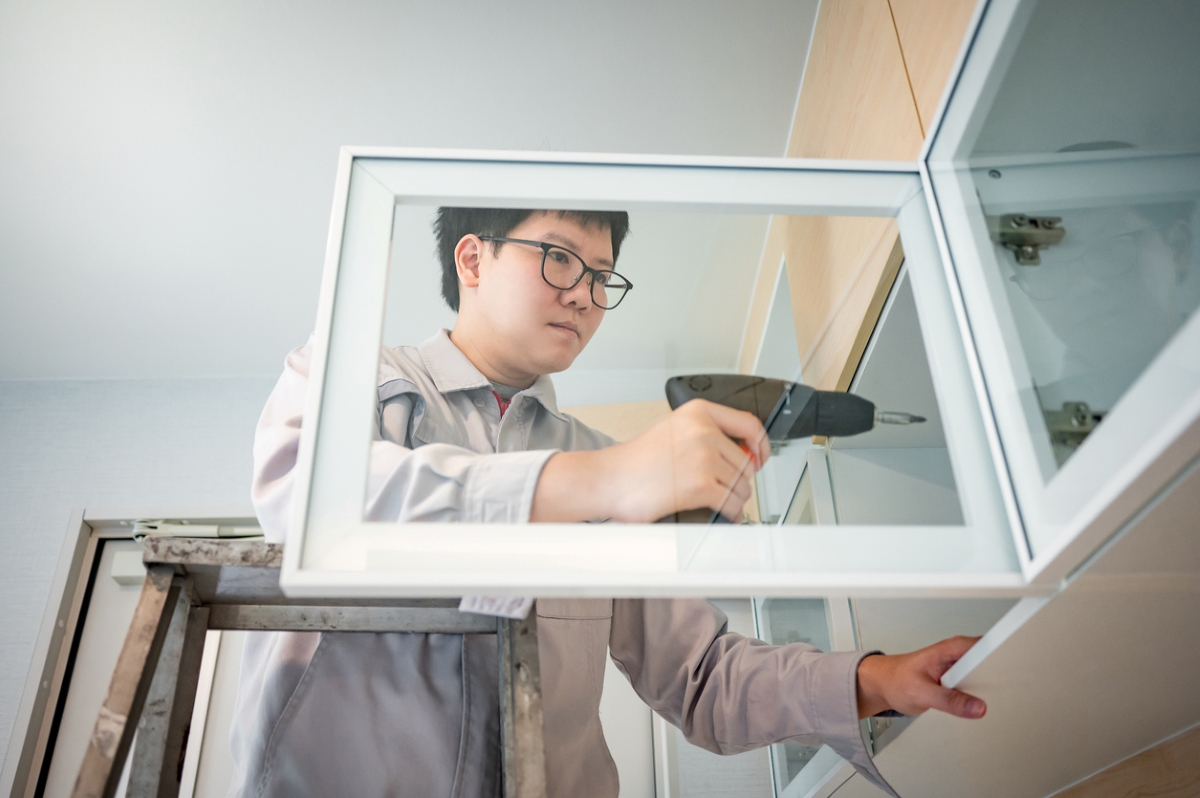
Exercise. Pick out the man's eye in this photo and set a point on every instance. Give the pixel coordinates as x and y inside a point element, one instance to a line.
<point>603,277</point>
<point>558,255</point>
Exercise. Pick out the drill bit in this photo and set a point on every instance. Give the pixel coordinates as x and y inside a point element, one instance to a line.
<point>894,417</point>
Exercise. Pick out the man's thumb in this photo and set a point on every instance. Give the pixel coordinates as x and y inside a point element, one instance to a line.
<point>960,704</point>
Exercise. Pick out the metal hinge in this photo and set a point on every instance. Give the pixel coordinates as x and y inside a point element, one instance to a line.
<point>1069,426</point>
<point>185,529</point>
<point>1024,236</point>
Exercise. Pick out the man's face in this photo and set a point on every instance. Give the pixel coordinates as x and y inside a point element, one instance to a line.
<point>538,329</point>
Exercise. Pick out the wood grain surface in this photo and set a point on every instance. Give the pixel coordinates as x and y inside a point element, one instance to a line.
<point>1170,769</point>
<point>928,31</point>
<point>875,74</point>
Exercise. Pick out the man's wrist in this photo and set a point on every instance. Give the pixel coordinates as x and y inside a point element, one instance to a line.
<point>873,673</point>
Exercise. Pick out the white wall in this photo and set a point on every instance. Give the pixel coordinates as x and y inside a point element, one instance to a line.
<point>104,443</point>
<point>172,164</point>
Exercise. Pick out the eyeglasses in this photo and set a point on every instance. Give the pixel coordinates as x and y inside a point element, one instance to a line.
<point>563,269</point>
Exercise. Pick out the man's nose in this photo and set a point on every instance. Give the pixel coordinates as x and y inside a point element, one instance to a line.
<point>580,294</point>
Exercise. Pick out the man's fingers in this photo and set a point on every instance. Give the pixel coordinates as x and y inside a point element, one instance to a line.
<point>949,651</point>
<point>734,498</point>
<point>957,703</point>
<point>955,647</point>
<point>732,453</point>
<point>741,425</point>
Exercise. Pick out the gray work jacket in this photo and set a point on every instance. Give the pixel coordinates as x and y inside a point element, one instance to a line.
<point>417,714</point>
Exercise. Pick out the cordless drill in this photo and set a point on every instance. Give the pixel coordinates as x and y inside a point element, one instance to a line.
<point>787,410</point>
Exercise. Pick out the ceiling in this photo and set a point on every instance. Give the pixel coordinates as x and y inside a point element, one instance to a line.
<point>166,170</point>
<point>1089,75</point>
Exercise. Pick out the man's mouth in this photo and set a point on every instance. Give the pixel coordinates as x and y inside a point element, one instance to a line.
<point>565,325</point>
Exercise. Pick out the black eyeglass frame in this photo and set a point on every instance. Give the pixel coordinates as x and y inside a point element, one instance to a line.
<point>587,270</point>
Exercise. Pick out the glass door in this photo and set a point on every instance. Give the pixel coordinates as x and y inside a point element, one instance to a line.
<point>692,222</point>
<point>1066,173</point>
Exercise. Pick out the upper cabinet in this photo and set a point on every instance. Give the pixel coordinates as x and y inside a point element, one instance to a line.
<point>1066,172</point>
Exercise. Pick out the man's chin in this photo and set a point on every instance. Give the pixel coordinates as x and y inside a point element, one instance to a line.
<point>554,363</point>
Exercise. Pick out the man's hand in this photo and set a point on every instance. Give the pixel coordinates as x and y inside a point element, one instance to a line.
<point>911,683</point>
<point>686,461</point>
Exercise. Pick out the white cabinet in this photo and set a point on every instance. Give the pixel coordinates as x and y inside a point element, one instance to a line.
<point>1083,116</point>
<point>1060,395</point>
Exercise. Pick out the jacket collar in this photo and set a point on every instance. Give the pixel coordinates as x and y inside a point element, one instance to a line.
<point>451,371</point>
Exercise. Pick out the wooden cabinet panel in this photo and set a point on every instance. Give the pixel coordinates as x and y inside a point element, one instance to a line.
<point>840,271</point>
<point>855,101</point>
<point>1168,770</point>
<point>931,34</point>
<point>875,73</point>
<point>624,420</point>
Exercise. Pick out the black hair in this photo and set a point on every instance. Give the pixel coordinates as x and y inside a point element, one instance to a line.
<point>452,224</point>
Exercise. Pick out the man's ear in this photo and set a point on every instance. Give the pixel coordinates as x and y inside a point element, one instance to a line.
<point>467,256</point>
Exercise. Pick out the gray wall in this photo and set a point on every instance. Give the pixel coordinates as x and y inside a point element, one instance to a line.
<point>104,443</point>
<point>174,163</point>
<point>166,173</point>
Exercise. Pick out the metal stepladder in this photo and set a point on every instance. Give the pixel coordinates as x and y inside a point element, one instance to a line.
<point>196,584</point>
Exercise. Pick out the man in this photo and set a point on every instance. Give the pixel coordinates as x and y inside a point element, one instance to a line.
<point>469,430</point>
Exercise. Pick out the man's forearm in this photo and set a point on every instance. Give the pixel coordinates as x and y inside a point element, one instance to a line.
<point>572,488</point>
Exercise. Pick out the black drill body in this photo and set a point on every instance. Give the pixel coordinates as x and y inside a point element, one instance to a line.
<point>787,410</point>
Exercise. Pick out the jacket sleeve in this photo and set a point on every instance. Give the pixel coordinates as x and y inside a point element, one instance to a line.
<point>729,693</point>
<point>437,482</point>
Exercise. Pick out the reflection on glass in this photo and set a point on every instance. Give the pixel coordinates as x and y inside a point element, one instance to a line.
<point>801,509</point>
<point>1094,122</point>
<point>1099,306</point>
<point>893,474</point>
<point>776,482</point>
<point>696,274</point>
<point>783,621</point>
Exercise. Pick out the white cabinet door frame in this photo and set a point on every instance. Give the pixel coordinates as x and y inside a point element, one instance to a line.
<point>332,551</point>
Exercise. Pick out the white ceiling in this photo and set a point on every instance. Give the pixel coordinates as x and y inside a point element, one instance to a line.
<point>1088,73</point>
<point>166,170</point>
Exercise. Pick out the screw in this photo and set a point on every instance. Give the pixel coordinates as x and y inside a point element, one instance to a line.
<point>994,174</point>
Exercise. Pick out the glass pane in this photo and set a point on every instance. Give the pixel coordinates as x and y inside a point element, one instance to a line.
<point>783,621</point>
<point>1096,308</point>
<point>708,267</point>
<point>702,310</point>
<point>1092,241</point>
<point>801,509</point>
<point>894,473</point>
<point>1067,172</point>
<point>898,474</point>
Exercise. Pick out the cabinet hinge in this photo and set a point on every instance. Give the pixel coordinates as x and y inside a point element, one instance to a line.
<point>1069,426</point>
<point>1024,236</point>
